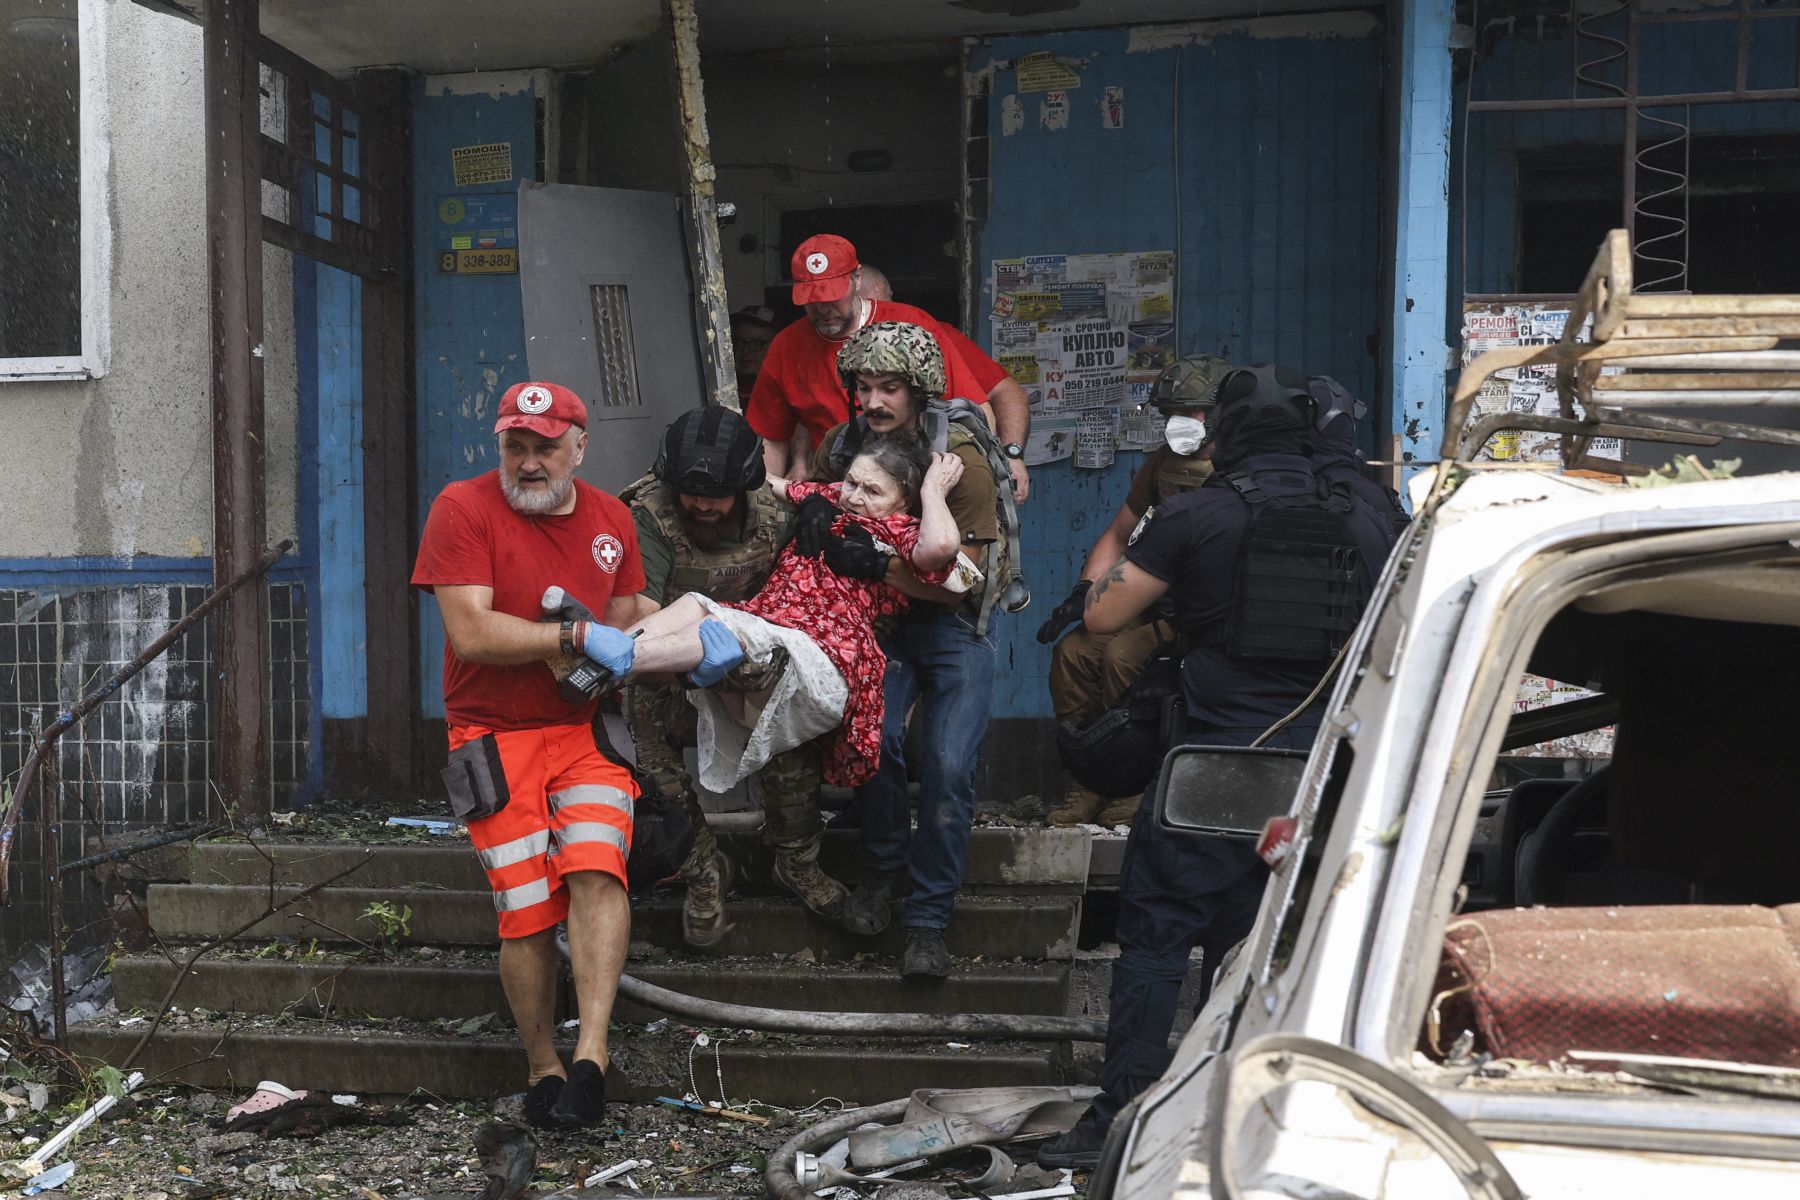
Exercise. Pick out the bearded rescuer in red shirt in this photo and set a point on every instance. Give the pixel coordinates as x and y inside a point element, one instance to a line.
<point>549,813</point>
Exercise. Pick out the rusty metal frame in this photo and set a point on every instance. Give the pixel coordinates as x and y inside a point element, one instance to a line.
<point>1633,104</point>
<point>1665,344</point>
<point>1744,15</point>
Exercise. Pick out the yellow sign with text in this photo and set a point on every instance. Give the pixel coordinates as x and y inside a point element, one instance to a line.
<point>478,262</point>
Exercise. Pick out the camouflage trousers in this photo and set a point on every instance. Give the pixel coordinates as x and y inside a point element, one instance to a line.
<point>664,723</point>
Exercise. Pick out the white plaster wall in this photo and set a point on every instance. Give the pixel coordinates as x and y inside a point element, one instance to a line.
<point>781,130</point>
<point>122,465</point>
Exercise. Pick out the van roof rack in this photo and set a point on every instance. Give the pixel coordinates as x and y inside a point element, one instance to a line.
<point>1670,350</point>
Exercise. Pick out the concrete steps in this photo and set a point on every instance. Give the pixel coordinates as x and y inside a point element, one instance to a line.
<point>1043,860</point>
<point>305,1003</point>
<point>431,990</point>
<point>373,1059</point>
<point>1036,927</point>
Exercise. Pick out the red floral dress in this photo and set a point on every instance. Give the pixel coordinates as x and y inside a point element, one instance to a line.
<point>839,615</point>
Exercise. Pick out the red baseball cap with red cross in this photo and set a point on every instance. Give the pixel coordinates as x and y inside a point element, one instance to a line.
<point>821,268</point>
<point>545,408</point>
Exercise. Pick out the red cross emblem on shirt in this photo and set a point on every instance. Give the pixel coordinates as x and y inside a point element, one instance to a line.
<point>607,552</point>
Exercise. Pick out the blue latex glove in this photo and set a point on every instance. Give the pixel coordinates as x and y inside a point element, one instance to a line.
<point>719,652</point>
<point>609,647</point>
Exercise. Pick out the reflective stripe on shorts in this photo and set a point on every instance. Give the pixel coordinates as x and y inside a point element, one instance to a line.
<point>524,896</point>
<point>520,849</point>
<point>591,831</point>
<point>591,793</point>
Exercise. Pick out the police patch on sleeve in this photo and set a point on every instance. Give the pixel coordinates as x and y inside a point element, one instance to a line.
<point>1143,524</point>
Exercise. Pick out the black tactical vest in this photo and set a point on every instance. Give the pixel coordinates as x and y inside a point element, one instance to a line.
<point>1298,595</point>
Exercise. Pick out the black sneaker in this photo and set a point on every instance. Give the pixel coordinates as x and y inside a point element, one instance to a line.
<point>1079,1148</point>
<point>540,1099</point>
<point>583,1100</point>
<point>869,908</point>
<point>926,955</point>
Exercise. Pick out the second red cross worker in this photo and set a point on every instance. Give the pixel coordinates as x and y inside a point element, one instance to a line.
<point>549,812</point>
<point>800,387</point>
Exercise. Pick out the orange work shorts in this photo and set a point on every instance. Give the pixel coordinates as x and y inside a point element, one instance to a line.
<point>568,809</point>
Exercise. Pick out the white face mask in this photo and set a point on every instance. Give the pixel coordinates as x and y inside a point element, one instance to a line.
<point>1184,434</point>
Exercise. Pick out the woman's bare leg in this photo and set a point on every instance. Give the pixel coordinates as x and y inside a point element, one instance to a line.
<point>669,639</point>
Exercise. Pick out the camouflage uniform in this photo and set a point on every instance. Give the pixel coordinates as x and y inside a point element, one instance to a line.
<point>664,723</point>
<point>1090,671</point>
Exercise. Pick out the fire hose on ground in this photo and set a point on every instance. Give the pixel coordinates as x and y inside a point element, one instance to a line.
<point>780,1175</point>
<point>1036,1028</point>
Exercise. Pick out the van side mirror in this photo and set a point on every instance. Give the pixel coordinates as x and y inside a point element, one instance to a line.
<point>1230,790</point>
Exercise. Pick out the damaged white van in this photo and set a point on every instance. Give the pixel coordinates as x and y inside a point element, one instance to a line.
<point>1466,982</point>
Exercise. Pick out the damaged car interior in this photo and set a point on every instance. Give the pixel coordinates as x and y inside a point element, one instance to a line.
<point>1647,911</point>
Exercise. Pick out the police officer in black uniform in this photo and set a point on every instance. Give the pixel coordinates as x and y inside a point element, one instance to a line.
<point>1266,517</point>
<point>1334,452</point>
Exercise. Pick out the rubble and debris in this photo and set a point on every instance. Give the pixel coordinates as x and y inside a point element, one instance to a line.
<point>268,1095</point>
<point>428,824</point>
<point>40,1158</point>
<point>87,990</point>
<point>308,1116</point>
<point>53,1178</point>
<point>712,1110</point>
<point>614,1171</point>
<point>509,1159</point>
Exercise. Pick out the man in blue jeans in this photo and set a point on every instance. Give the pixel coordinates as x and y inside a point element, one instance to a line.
<point>935,655</point>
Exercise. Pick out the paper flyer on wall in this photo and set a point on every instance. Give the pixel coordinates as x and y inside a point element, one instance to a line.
<point>1530,389</point>
<point>1051,440</point>
<point>1097,329</point>
<point>1096,437</point>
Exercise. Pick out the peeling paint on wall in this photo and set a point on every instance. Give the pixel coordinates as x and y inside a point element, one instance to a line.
<point>493,84</point>
<point>1317,26</point>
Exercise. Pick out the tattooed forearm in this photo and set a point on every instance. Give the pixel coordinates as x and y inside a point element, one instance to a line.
<point>1115,575</point>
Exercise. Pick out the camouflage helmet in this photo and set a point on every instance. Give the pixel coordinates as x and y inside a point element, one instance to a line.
<point>895,348</point>
<point>1189,383</point>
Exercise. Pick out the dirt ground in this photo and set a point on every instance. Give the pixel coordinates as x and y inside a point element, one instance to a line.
<point>165,1146</point>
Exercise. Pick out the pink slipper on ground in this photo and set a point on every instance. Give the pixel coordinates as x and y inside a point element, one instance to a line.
<point>268,1094</point>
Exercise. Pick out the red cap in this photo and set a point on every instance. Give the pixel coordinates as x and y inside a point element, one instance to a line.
<point>821,269</point>
<point>546,408</point>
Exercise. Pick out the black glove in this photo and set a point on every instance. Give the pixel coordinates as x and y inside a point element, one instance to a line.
<point>812,525</point>
<point>854,556</point>
<point>1065,614</point>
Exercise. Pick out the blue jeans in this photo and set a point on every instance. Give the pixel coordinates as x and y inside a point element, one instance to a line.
<point>941,662</point>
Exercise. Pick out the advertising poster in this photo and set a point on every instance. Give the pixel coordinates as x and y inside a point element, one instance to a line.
<point>1086,333</point>
<point>1521,389</point>
<point>1096,437</point>
<point>1052,439</point>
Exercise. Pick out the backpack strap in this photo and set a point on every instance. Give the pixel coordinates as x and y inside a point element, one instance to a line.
<point>961,412</point>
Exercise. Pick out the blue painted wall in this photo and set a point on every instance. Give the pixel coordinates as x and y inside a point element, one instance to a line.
<point>469,329</point>
<point>1279,201</point>
<point>1522,66</point>
<point>1418,301</point>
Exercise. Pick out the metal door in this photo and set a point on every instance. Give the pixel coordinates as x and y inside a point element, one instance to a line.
<point>609,312</point>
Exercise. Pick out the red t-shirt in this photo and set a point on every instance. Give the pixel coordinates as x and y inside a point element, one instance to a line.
<point>985,370</point>
<point>473,536</point>
<point>799,382</point>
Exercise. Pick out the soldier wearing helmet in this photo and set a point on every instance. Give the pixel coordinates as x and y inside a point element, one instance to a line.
<point>1089,671</point>
<point>706,524</point>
